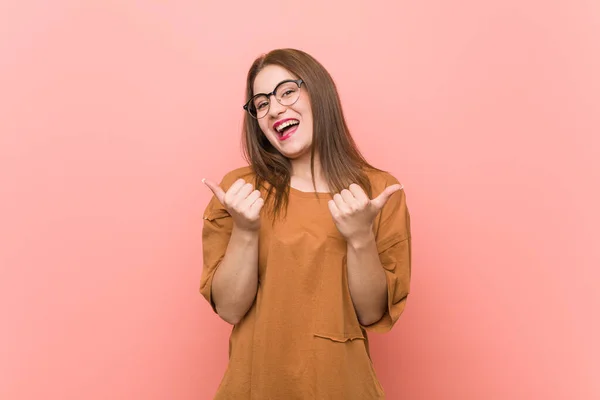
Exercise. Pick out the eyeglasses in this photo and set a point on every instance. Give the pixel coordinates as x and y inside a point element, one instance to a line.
<point>286,93</point>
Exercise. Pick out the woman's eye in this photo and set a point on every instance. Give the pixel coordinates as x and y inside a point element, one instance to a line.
<point>261,105</point>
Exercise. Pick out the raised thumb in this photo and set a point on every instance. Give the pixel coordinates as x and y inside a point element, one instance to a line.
<point>383,198</point>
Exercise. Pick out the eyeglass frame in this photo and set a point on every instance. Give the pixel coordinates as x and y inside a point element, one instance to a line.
<point>298,82</point>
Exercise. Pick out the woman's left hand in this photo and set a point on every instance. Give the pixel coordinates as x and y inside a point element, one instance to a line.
<point>353,212</point>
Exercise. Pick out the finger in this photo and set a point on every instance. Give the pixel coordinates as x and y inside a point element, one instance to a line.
<point>341,204</point>
<point>359,194</point>
<point>333,209</point>
<point>216,189</point>
<point>243,193</point>
<point>234,189</point>
<point>256,206</point>
<point>248,201</point>
<point>380,200</point>
<point>349,198</point>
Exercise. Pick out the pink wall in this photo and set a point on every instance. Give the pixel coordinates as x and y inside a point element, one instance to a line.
<point>112,112</point>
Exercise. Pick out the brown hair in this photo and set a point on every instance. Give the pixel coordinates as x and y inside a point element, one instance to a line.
<point>341,161</point>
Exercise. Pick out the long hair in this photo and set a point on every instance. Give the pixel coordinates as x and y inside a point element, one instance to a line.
<point>340,160</point>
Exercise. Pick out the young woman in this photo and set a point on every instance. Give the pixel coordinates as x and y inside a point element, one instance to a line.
<point>307,248</point>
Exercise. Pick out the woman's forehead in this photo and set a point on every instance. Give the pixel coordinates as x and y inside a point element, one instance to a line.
<point>269,77</point>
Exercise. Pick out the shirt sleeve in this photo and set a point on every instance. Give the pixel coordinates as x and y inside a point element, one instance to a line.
<point>393,238</point>
<point>216,232</point>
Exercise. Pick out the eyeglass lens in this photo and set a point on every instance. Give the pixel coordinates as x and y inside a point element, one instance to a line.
<point>286,94</point>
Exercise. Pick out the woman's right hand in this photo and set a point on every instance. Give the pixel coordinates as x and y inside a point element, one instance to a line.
<point>241,201</point>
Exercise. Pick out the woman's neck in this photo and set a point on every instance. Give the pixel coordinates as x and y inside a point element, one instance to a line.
<point>302,176</point>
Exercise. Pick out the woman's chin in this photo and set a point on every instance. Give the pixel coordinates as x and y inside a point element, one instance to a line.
<point>290,149</point>
<point>295,154</point>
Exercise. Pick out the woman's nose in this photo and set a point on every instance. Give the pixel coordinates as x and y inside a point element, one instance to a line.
<point>275,108</point>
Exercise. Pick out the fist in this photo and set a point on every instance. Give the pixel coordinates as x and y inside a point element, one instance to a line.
<point>242,202</point>
<point>353,212</point>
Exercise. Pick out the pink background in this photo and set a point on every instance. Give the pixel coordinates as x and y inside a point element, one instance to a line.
<point>111,112</point>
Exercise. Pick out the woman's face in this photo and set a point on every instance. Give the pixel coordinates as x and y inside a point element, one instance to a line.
<point>288,128</point>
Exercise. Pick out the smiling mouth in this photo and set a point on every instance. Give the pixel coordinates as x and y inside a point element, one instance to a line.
<point>281,129</point>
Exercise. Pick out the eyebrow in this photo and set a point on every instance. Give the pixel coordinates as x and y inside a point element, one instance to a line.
<point>285,80</point>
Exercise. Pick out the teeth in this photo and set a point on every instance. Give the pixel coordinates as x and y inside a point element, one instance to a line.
<point>286,124</point>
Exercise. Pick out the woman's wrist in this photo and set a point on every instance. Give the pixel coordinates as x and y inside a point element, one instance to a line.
<point>361,240</point>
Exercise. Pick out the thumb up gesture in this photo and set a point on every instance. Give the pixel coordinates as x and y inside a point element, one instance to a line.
<point>353,212</point>
<point>241,201</point>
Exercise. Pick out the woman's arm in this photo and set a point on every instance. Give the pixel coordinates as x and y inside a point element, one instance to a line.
<point>236,278</point>
<point>354,213</point>
<point>366,279</point>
